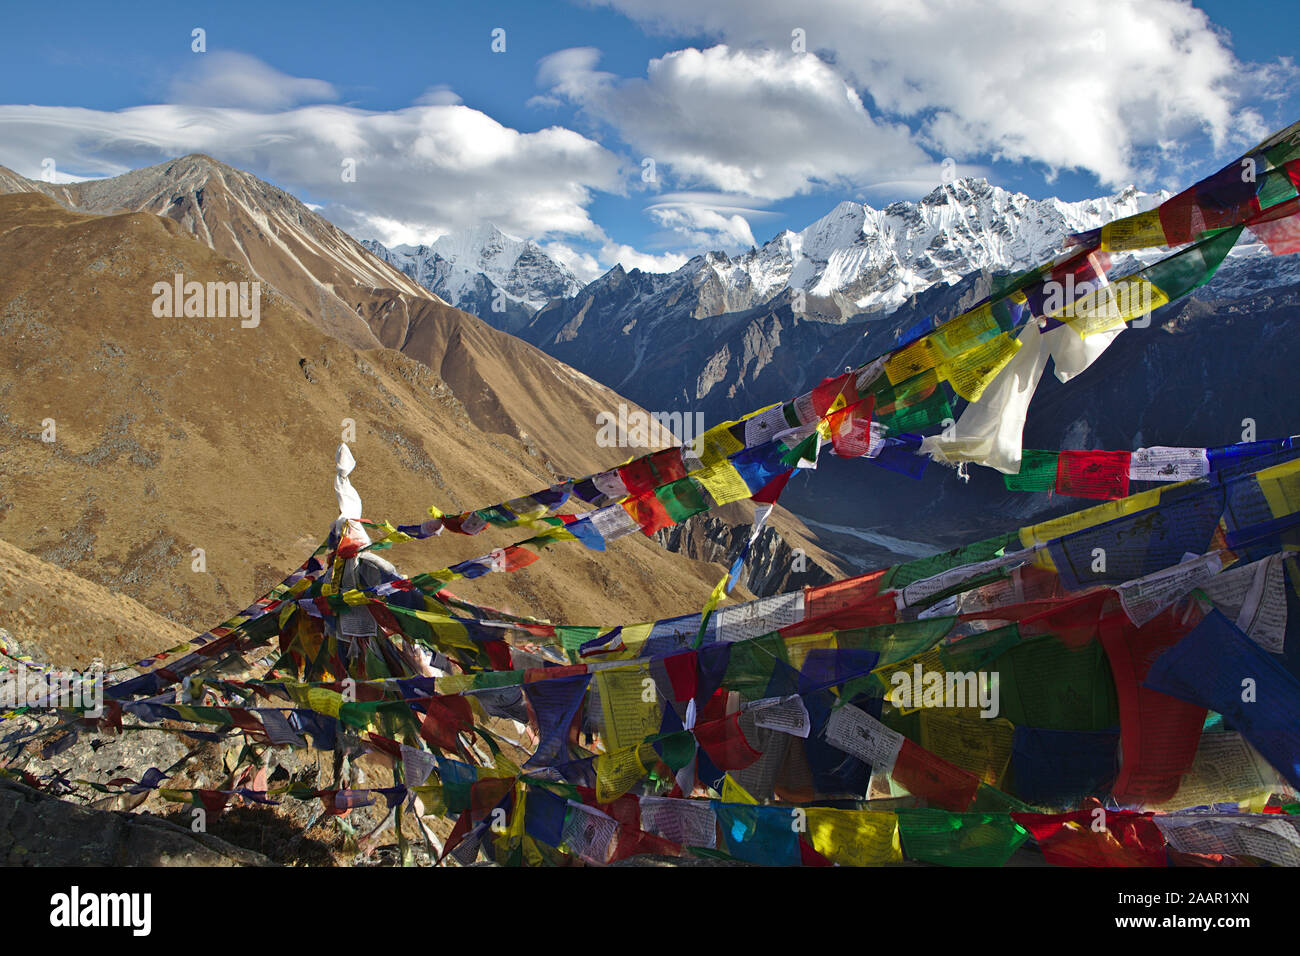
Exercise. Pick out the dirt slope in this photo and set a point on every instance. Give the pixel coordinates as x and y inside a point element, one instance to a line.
<point>178,434</point>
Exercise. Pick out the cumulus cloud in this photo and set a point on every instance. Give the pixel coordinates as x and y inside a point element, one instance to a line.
<point>420,171</point>
<point>588,265</point>
<point>755,122</point>
<point>1097,85</point>
<point>228,78</point>
<point>630,258</point>
<point>584,265</point>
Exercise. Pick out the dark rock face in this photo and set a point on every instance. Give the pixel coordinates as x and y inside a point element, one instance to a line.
<point>40,830</point>
<point>772,566</point>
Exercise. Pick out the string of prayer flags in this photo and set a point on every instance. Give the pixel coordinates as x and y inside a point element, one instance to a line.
<point>1124,653</point>
<point>1238,192</point>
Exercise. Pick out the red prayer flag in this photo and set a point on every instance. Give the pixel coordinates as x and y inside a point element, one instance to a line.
<point>850,429</point>
<point>1093,474</point>
<point>869,612</point>
<point>810,857</point>
<point>638,476</point>
<point>444,718</point>
<point>1158,733</point>
<point>1096,837</point>
<point>648,512</point>
<point>825,394</point>
<point>681,670</point>
<point>725,743</point>
<point>838,595</point>
<point>1279,227</point>
<point>929,776</point>
<point>771,491</point>
<point>668,465</point>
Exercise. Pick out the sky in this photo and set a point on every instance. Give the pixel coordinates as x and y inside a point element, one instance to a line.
<point>643,132</point>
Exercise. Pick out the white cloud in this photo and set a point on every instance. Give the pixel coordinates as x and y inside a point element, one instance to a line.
<point>228,78</point>
<point>701,225</point>
<point>607,254</point>
<point>440,95</point>
<point>1097,85</point>
<point>629,258</point>
<point>420,171</point>
<point>757,122</point>
<point>584,265</point>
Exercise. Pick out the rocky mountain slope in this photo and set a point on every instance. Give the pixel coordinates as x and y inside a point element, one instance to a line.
<point>341,288</point>
<point>171,435</point>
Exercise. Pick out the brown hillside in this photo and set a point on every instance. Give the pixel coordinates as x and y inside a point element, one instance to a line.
<point>506,385</point>
<point>71,620</point>
<point>175,434</point>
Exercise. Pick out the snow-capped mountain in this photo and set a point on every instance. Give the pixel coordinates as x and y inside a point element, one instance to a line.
<point>864,259</point>
<point>856,259</point>
<point>732,332</point>
<point>485,271</point>
<point>707,331</point>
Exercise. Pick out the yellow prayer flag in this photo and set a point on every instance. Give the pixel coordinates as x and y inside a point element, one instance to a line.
<point>965,332</point>
<point>392,534</point>
<point>532,855</point>
<point>717,444</point>
<point>972,371</point>
<point>981,745</point>
<point>912,360</point>
<point>855,837</point>
<point>1142,231</point>
<point>733,792</point>
<point>629,702</point>
<point>455,683</point>
<point>906,691</point>
<point>797,648</point>
<point>1111,306</point>
<point>515,834</point>
<point>617,772</point>
<point>325,701</point>
<point>723,482</point>
<point>1280,486</point>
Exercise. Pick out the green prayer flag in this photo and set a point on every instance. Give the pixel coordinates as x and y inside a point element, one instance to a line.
<point>682,498</point>
<point>959,839</point>
<point>1037,471</point>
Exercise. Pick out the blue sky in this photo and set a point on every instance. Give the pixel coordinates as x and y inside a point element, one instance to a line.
<point>748,133</point>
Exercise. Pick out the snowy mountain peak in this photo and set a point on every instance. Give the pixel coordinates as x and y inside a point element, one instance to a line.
<point>855,259</point>
<point>486,271</point>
